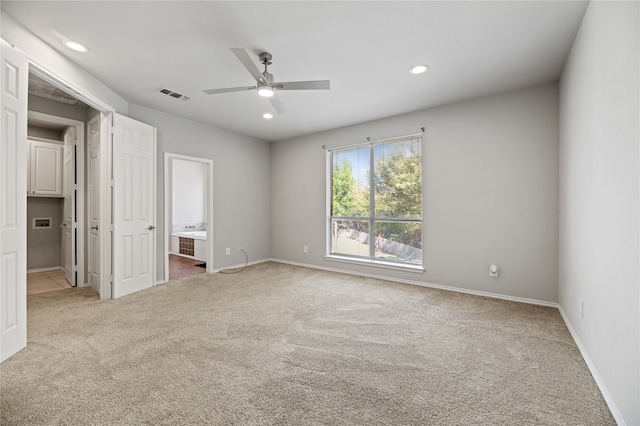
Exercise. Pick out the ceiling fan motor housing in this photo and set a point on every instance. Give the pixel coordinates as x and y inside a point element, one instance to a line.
<point>265,58</point>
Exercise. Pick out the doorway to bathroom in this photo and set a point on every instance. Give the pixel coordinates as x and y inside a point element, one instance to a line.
<point>188,188</point>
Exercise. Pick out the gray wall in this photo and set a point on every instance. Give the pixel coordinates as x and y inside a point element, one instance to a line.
<point>599,192</point>
<point>241,170</point>
<point>490,193</point>
<point>44,245</point>
<point>41,132</point>
<point>78,112</point>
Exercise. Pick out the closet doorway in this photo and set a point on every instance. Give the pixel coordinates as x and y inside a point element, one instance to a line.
<point>188,207</point>
<point>55,168</point>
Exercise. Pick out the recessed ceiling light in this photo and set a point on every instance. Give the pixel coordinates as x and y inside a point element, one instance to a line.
<point>419,69</point>
<point>267,116</point>
<point>75,46</point>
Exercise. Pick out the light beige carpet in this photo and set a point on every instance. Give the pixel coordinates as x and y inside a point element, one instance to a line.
<point>278,344</point>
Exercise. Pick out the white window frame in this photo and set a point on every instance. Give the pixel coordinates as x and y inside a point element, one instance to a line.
<point>368,261</point>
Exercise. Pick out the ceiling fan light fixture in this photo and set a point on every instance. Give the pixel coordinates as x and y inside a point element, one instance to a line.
<point>267,116</point>
<point>266,90</point>
<point>419,69</point>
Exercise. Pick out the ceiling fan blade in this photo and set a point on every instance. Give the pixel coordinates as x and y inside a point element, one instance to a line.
<point>303,85</point>
<point>275,102</point>
<point>228,89</point>
<point>244,57</point>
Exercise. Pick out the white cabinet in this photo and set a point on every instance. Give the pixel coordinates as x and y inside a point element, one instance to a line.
<point>44,171</point>
<point>175,244</point>
<point>200,249</point>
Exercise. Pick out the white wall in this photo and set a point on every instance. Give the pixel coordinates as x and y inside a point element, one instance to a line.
<point>599,198</point>
<point>490,191</point>
<point>188,192</point>
<point>242,194</point>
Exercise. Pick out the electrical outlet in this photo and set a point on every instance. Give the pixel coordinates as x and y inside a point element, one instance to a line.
<point>494,271</point>
<point>305,249</point>
<point>228,251</point>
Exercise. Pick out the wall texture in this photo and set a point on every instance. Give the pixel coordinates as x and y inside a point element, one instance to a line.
<point>490,192</point>
<point>188,193</point>
<point>242,193</point>
<point>599,197</point>
<point>44,245</point>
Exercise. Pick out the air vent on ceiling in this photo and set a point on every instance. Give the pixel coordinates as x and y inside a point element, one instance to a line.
<point>174,94</point>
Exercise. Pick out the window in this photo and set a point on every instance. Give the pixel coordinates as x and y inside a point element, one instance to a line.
<point>375,210</point>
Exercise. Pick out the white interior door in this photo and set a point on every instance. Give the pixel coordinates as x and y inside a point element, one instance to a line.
<point>134,179</point>
<point>69,217</point>
<point>14,75</point>
<point>93,208</point>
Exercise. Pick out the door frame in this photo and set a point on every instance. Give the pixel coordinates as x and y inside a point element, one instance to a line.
<point>80,189</point>
<point>105,111</point>
<point>168,159</point>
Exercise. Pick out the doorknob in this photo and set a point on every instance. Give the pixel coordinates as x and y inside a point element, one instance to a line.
<point>151,228</point>
<point>94,227</point>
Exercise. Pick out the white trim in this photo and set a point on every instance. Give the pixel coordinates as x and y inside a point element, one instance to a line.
<point>168,157</point>
<point>155,208</point>
<point>105,221</point>
<point>376,142</point>
<point>429,285</point>
<point>418,269</point>
<point>255,262</point>
<point>47,269</point>
<point>370,260</point>
<point>594,372</point>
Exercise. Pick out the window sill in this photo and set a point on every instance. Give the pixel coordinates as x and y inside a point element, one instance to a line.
<point>418,269</point>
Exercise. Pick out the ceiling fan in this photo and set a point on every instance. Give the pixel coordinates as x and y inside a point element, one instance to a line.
<point>264,80</point>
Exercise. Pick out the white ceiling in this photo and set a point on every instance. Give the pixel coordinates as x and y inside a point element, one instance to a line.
<point>365,48</point>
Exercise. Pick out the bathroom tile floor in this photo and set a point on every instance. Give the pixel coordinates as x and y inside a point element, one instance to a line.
<point>182,267</point>
<point>44,282</point>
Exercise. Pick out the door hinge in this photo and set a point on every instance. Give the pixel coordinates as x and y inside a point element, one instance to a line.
<point>74,187</point>
<point>111,279</point>
<point>111,183</point>
<point>111,228</point>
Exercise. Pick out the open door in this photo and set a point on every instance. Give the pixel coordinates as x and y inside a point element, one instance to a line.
<point>70,221</point>
<point>134,204</point>
<point>93,205</point>
<point>14,75</point>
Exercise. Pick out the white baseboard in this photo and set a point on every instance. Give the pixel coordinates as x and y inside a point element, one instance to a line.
<point>50,268</point>
<point>594,372</point>
<point>255,262</point>
<point>429,285</point>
